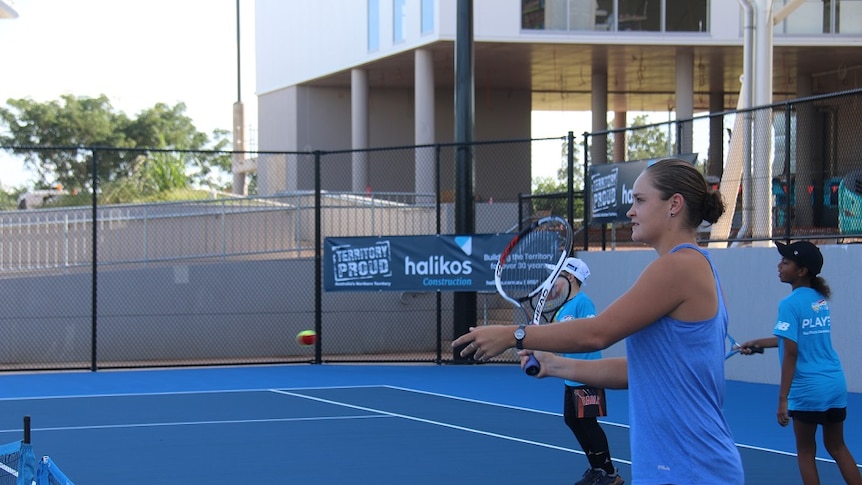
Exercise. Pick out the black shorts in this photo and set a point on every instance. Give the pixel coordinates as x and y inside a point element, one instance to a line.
<point>585,402</point>
<point>833,415</point>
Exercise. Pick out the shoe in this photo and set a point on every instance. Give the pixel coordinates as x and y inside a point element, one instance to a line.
<point>597,476</point>
<point>590,476</point>
<point>605,479</point>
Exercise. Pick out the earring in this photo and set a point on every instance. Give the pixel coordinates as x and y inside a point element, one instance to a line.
<point>672,214</point>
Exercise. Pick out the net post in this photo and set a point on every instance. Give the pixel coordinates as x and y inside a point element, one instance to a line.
<point>26,430</point>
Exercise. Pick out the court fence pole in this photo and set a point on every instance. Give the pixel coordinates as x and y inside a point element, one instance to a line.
<point>94,278</point>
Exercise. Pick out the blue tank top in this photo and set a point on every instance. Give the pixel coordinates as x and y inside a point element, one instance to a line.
<point>676,393</point>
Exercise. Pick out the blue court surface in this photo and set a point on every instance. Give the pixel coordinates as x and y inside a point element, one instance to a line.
<point>348,424</point>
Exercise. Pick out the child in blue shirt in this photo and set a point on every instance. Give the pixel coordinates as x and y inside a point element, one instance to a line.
<point>582,404</point>
<point>813,389</point>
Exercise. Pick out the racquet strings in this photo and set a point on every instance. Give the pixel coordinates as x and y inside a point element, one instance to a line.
<point>526,262</point>
<point>558,295</point>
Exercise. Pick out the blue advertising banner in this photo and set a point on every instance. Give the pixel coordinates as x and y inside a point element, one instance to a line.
<point>412,263</point>
<point>611,187</point>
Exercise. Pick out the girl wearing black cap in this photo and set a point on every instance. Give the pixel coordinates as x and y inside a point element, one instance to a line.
<point>813,389</point>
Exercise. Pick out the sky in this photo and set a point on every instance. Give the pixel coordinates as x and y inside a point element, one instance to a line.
<point>136,53</point>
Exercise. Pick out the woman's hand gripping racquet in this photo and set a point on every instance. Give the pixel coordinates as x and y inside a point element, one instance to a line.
<point>735,348</point>
<point>523,274</point>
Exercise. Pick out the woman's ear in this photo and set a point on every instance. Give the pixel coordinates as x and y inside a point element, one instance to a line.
<point>676,203</point>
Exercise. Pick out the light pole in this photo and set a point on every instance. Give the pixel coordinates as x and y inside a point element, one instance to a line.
<point>239,157</point>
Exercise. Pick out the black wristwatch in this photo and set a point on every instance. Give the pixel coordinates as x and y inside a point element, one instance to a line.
<point>520,333</point>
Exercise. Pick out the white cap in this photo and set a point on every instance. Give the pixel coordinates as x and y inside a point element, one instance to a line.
<point>576,268</point>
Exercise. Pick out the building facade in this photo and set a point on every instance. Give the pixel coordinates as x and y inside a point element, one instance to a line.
<point>354,74</point>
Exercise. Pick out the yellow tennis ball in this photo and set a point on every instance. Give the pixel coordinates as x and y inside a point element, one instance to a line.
<point>306,337</point>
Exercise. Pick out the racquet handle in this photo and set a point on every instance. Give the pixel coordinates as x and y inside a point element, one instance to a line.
<point>532,368</point>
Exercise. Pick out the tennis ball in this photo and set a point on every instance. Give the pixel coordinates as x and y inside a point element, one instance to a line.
<point>306,337</point>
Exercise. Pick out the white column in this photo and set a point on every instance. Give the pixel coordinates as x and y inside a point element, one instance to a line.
<point>424,179</point>
<point>239,185</point>
<point>619,136</point>
<point>761,178</point>
<point>359,128</point>
<point>685,97</point>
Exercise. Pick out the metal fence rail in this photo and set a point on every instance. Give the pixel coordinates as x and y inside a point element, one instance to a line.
<point>42,239</point>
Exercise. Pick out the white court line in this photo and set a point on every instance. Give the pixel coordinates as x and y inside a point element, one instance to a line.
<point>438,423</point>
<point>519,408</point>
<point>610,423</point>
<point>507,406</point>
<point>195,423</point>
<point>178,393</point>
<point>287,392</point>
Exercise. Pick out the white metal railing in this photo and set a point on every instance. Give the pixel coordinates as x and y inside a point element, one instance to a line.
<point>61,238</point>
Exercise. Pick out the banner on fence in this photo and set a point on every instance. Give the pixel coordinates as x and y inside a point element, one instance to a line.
<point>412,263</point>
<point>611,187</point>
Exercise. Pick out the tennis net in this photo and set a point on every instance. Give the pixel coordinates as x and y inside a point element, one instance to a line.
<point>19,466</point>
<point>47,473</point>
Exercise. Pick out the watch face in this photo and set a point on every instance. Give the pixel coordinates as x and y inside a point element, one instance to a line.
<point>520,333</point>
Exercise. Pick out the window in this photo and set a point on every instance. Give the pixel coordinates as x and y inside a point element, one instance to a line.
<point>821,17</point>
<point>399,8</point>
<point>532,14</point>
<point>373,25</point>
<point>619,15</point>
<point>848,15</point>
<point>644,15</point>
<point>686,16</point>
<point>427,17</point>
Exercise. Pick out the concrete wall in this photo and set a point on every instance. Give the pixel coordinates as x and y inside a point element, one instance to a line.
<point>181,313</point>
<point>238,309</point>
<point>323,123</point>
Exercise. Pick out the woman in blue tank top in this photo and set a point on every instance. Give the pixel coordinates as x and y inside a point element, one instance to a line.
<point>674,321</point>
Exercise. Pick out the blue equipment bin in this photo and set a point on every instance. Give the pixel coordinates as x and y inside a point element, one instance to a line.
<point>850,203</point>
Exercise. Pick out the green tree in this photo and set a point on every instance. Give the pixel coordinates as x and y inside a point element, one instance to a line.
<point>556,188</point>
<point>167,127</point>
<point>550,185</point>
<point>642,143</point>
<point>9,197</point>
<point>56,139</point>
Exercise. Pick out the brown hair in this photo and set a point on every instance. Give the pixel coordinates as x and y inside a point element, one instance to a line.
<point>674,176</point>
<point>820,286</point>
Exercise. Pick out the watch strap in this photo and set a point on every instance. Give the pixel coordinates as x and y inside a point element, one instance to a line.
<point>519,341</point>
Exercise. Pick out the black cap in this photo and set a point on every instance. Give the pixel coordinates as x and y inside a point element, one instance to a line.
<point>804,254</point>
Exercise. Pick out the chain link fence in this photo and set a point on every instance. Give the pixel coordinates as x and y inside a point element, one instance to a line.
<point>787,171</point>
<point>231,279</point>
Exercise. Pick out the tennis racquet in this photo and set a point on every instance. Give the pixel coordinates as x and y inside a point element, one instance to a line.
<point>734,348</point>
<point>523,276</point>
